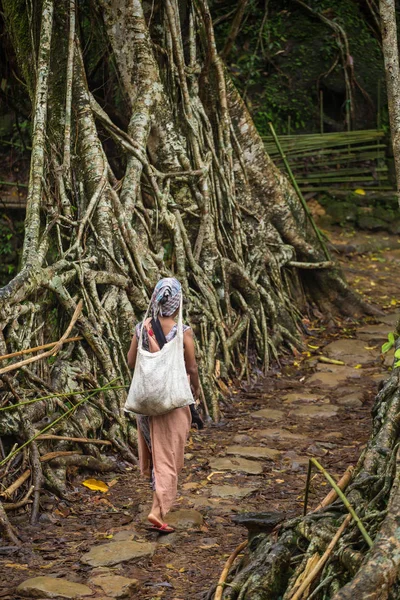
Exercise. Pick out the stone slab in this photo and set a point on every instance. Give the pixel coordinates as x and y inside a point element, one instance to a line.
<point>237,465</point>
<point>184,519</point>
<point>391,319</point>
<point>300,397</point>
<point>332,380</point>
<point>377,333</point>
<point>269,413</point>
<point>53,587</point>
<point>116,586</point>
<point>254,452</point>
<point>114,553</point>
<point>352,400</point>
<point>350,351</point>
<point>232,491</point>
<point>324,411</point>
<point>281,434</point>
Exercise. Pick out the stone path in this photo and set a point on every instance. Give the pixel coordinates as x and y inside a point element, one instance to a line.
<point>255,460</point>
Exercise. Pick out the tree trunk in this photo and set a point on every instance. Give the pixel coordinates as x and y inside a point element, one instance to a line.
<point>390,49</point>
<point>182,186</point>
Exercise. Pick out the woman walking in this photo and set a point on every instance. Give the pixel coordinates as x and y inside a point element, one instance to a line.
<point>162,438</point>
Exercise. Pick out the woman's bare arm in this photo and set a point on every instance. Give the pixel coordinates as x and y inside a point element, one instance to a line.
<point>190,362</point>
<point>132,352</point>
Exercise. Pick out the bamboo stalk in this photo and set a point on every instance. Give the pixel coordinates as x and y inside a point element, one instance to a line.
<point>61,395</point>
<point>50,425</point>
<point>42,347</point>
<point>300,195</point>
<point>342,484</point>
<point>73,439</point>
<point>221,582</point>
<point>344,500</point>
<point>318,567</point>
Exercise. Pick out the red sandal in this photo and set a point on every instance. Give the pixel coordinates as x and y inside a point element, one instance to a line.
<point>164,528</point>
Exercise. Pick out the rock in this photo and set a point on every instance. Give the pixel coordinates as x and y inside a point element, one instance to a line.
<point>352,400</point>
<point>331,380</point>
<point>390,320</point>
<point>295,397</point>
<point>168,539</point>
<point>123,536</point>
<point>242,439</point>
<point>114,553</point>
<point>259,522</point>
<point>254,452</point>
<point>184,519</point>
<point>388,358</point>
<point>280,434</point>
<point>241,465</point>
<point>116,586</point>
<point>377,333</point>
<point>324,412</point>
<point>188,456</point>
<point>269,413</point>
<point>352,352</point>
<point>52,587</point>
<point>232,491</point>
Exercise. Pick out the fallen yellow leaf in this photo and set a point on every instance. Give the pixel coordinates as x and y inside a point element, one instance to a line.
<point>170,566</point>
<point>96,485</point>
<point>360,192</point>
<point>358,367</point>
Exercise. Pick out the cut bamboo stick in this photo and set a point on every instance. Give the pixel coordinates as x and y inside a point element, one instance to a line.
<point>73,439</point>
<point>43,347</point>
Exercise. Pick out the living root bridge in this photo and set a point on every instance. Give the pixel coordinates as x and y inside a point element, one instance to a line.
<point>182,187</point>
<point>326,552</point>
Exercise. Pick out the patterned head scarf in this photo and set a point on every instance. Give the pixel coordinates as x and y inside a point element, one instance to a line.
<point>166,297</point>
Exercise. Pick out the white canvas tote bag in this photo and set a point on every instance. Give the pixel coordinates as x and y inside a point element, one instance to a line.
<point>160,382</point>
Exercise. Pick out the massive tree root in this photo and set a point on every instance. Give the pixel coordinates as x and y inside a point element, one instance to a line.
<point>276,564</point>
<point>182,186</point>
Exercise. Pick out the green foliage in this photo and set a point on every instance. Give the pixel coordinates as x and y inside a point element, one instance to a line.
<point>11,239</point>
<point>389,344</point>
<point>280,67</point>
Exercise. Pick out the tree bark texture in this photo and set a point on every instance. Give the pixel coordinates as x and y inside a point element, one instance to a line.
<point>167,176</point>
<point>390,49</point>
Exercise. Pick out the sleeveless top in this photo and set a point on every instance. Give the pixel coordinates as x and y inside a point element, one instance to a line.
<point>170,336</point>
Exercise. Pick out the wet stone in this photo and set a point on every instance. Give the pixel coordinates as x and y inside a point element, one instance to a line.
<point>114,553</point>
<point>325,411</point>
<point>168,539</point>
<point>240,465</point>
<point>350,351</point>
<point>115,586</point>
<point>269,413</point>
<point>184,519</point>
<point>232,491</point>
<point>254,452</point>
<point>52,587</point>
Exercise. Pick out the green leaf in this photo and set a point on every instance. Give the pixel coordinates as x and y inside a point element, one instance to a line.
<point>397,364</point>
<point>386,347</point>
<point>391,338</point>
<point>397,353</point>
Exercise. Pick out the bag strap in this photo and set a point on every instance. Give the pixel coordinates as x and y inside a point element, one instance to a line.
<point>180,325</point>
<point>158,332</point>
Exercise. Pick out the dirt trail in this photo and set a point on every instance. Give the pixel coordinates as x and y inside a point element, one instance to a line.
<point>254,460</point>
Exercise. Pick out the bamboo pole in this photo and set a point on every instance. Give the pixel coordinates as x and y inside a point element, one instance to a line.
<point>318,567</point>
<point>221,582</point>
<point>344,500</point>
<point>42,347</point>
<point>300,195</point>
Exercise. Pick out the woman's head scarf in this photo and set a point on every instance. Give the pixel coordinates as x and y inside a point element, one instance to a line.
<point>166,297</point>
